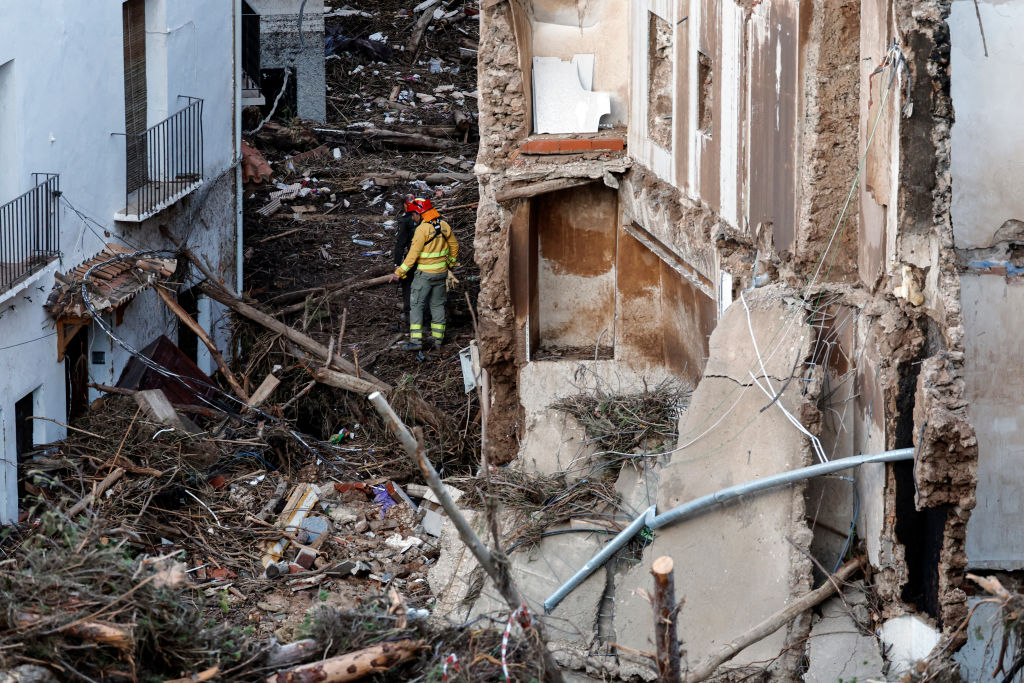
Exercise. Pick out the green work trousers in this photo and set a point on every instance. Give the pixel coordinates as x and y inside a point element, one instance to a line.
<point>427,287</point>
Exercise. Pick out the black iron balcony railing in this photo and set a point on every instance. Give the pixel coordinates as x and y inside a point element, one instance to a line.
<point>30,230</point>
<point>164,163</point>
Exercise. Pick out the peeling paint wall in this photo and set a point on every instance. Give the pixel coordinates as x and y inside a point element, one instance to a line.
<point>575,285</point>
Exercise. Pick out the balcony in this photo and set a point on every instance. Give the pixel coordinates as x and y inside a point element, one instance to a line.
<point>163,163</point>
<point>29,231</point>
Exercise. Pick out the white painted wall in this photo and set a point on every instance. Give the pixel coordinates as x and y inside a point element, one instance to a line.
<point>987,137</point>
<point>69,103</point>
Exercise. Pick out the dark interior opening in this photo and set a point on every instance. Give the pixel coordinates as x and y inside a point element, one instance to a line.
<point>76,374</point>
<point>270,86</point>
<point>23,424</point>
<point>188,341</point>
<point>919,531</point>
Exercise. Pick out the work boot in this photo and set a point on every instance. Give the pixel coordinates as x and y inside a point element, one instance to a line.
<point>412,346</point>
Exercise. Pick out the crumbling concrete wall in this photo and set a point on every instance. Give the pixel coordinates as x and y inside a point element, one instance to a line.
<point>828,175</point>
<point>735,566</point>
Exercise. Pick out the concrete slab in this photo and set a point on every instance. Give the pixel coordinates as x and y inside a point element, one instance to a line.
<point>735,566</point>
<point>539,571</point>
<point>838,650</point>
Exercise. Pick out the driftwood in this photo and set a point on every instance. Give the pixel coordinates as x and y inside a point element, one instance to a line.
<point>383,279</point>
<point>665,613</point>
<point>304,341</point>
<point>462,121</point>
<point>413,46</point>
<point>497,567</point>
<point>289,297</point>
<point>107,482</point>
<point>207,675</point>
<point>98,632</point>
<point>180,407</point>
<point>205,338</point>
<point>342,381</point>
<point>280,656</point>
<point>395,138</point>
<point>351,666</point>
<point>706,668</point>
<point>543,187</point>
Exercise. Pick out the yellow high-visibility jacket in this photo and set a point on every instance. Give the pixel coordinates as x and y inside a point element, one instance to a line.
<point>428,253</point>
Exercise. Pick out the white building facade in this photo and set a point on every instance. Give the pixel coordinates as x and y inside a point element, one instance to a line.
<point>129,111</point>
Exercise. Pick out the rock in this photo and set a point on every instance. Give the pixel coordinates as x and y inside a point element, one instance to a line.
<point>432,522</point>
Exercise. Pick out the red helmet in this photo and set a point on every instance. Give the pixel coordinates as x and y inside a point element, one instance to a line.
<point>418,204</point>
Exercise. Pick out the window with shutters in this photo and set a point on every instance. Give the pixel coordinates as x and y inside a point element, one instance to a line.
<point>134,20</point>
<point>163,159</point>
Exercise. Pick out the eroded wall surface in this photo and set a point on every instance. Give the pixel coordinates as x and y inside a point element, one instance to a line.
<point>810,152</point>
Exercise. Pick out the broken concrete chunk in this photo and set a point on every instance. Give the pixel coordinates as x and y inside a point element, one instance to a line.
<point>400,544</point>
<point>432,522</point>
<point>908,640</point>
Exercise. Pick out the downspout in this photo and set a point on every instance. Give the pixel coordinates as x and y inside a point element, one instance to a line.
<point>239,235</point>
<point>704,503</point>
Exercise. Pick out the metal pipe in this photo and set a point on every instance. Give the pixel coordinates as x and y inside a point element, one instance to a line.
<point>598,560</point>
<point>726,495</point>
<point>703,503</point>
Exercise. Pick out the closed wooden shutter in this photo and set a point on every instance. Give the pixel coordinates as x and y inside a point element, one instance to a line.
<point>134,19</point>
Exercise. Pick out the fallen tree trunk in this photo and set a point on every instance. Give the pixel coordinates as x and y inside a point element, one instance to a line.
<point>420,409</point>
<point>383,279</point>
<point>289,297</point>
<point>304,341</point>
<point>706,668</point>
<point>343,381</point>
<point>495,564</point>
<point>215,353</point>
<point>396,138</point>
<point>351,666</point>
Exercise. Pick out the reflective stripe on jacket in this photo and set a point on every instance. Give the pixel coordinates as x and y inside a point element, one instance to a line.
<point>428,253</point>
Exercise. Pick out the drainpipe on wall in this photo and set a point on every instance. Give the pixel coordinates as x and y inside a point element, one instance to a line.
<point>239,234</point>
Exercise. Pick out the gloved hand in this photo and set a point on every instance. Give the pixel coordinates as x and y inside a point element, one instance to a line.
<point>450,282</point>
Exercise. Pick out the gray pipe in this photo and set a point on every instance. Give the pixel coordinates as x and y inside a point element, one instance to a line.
<point>699,505</point>
<point>621,539</point>
<point>725,495</point>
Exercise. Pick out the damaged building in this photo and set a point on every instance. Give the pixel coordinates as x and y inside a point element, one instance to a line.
<point>774,202</point>
<point>119,133</point>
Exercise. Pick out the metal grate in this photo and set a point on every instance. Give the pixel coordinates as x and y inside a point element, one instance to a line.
<point>30,230</point>
<point>173,152</point>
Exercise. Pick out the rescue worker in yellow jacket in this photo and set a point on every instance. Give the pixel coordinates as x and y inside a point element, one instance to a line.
<point>433,252</point>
